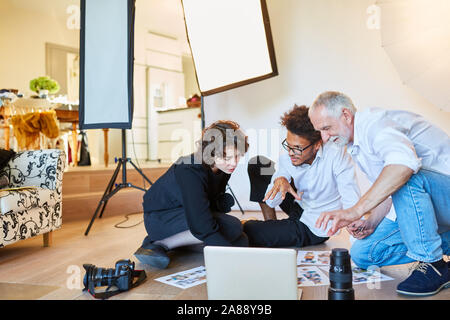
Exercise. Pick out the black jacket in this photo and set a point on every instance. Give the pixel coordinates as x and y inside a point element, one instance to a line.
<point>195,188</point>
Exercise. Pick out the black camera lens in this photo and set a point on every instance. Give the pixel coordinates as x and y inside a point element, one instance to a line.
<point>87,276</point>
<point>341,287</point>
<point>104,277</point>
<point>99,277</point>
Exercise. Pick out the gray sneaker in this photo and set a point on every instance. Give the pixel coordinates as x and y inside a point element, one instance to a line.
<point>153,255</point>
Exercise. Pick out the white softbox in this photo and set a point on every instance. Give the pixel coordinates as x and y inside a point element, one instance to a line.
<point>231,43</point>
<point>106,64</point>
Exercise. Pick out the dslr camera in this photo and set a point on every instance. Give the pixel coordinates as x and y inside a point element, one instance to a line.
<point>121,277</point>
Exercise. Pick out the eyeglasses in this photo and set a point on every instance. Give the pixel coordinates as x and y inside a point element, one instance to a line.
<point>296,151</point>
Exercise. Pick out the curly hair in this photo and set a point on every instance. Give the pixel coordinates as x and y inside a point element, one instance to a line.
<point>218,136</point>
<point>297,121</point>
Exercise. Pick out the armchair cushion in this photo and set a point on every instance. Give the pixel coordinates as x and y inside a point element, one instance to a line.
<point>27,212</point>
<point>26,224</point>
<point>39,168</point>
<point>26,199</point>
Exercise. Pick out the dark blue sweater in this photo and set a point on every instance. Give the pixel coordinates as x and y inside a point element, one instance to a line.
<point>195,188</point>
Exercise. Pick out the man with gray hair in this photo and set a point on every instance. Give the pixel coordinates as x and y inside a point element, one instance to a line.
<point>407,161</point>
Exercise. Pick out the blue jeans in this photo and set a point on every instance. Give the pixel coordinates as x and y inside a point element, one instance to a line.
<point>421,231</point>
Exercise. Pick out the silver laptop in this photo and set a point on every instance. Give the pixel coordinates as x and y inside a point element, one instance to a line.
<point>234,273</point>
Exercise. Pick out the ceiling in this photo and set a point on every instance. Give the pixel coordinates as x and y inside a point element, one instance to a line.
<point>162,16</point>
<point>159,16</point>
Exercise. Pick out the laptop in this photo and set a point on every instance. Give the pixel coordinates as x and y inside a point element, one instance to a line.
<point>235,273</point>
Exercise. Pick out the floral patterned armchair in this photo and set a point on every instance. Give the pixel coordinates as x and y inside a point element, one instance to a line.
<point>31,204</point>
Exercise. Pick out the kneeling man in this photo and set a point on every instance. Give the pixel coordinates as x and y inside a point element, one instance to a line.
<point>407,160</point>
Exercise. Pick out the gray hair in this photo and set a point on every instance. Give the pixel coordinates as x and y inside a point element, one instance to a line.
<point>333,102</point>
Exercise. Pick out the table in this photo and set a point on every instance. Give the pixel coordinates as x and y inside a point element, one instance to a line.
<point>70,116</point>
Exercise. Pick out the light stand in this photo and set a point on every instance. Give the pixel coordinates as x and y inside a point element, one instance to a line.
<point>213,39</point>
<point>107,26</point>
<point>109,192</point>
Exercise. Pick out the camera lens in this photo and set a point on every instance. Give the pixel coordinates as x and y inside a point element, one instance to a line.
<point>104,277</point>
<point>99,277</point>
<point>87,276</point>
<point>340,276</point>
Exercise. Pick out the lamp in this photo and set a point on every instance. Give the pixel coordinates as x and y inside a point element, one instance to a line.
<point>106,79</point>
<point>231,45</point>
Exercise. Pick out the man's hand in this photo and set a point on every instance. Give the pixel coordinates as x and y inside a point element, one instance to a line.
<point>341,219</point>
<point>282,185</point>
<point>361,229</point>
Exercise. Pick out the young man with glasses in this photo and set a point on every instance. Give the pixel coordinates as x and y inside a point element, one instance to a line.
<point>311,177</point>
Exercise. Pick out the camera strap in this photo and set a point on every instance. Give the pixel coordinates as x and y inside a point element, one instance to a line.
<point>139,274</point>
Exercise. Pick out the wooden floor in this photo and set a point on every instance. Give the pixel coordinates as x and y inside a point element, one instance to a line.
<point>30,271</point>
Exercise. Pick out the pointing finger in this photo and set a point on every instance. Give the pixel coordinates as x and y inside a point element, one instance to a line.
<point>325,220</point>
<point>319,221</point>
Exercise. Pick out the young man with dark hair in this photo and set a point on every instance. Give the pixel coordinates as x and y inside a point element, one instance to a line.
<point>311,177</point>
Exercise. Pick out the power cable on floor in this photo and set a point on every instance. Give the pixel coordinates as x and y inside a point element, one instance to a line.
<point>117,225</point>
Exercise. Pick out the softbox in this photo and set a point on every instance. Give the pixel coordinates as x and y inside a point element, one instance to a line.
<point>231,43</point>
<point>106,79</point>
<point>106,64</point>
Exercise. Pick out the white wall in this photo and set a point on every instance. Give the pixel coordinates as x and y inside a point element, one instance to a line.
<point>320,45</point>
<point>190,80</point>
<point>25,27</point>
<point>23,34</point>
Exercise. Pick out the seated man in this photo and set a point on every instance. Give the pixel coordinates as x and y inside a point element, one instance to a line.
<point>407,160</point>
<point>323,177</point>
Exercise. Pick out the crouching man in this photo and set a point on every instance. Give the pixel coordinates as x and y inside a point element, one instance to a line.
<point>407,160</point>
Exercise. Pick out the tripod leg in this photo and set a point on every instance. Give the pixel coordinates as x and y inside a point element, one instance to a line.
<point>104,199</point>
<point>140,172</point>
<point>237,202</point>
<point>130,185</point>
<point>110,187</point>
<point>104,204</point>
<point>93,217</point>
<point>109,191</point>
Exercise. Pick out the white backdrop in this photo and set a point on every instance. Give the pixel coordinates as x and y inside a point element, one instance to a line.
<point>320,45</point>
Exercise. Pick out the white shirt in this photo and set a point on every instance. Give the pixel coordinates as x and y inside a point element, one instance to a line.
<point>329,183</point>
<point>384,137</point>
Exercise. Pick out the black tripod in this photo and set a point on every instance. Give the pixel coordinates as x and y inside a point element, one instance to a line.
<point>109,192</point>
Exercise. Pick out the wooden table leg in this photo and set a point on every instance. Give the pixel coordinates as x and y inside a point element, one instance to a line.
<point>48,239</point>
<point>75,144</point>
<point>6,133</point>
<point>106,155</point>
<point>6,113</point>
